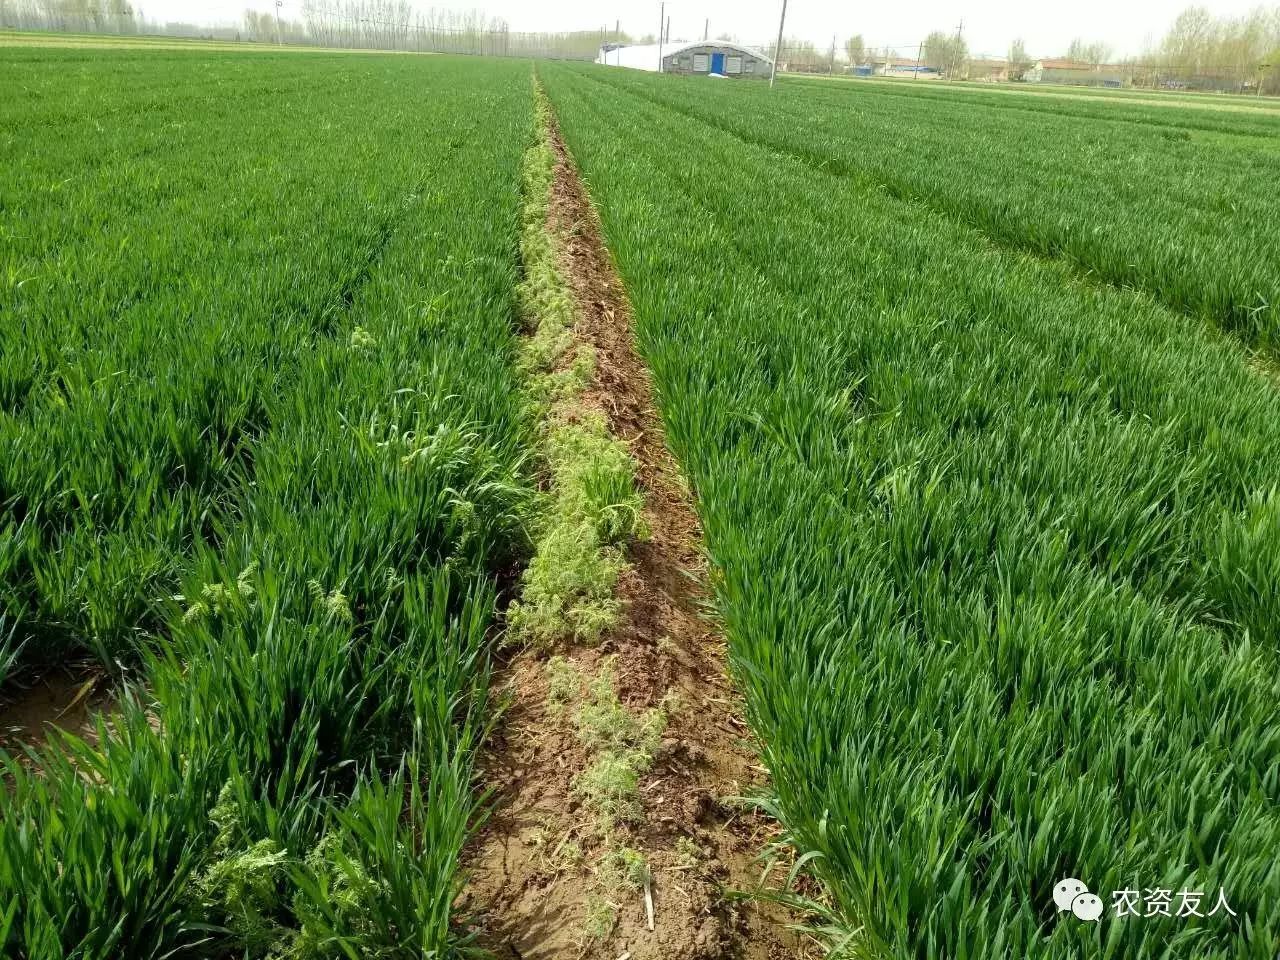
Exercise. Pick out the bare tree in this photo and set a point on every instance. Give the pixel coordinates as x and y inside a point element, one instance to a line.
<point>1186,46</point>
<point>1269,80</point>
<point>1019,61</point>
<point>803,56</point>
<point>945,51</point>
<point>1090,53</point>
<point>121,17</point>
<point>855,49</point>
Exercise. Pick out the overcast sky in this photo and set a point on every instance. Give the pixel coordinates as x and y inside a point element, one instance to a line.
<point>989,25</point>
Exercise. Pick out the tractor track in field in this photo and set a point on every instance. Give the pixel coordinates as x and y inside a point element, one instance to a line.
<point>527,898</point>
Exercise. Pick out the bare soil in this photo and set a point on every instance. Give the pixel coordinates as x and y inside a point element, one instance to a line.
<point>529,898</point>
<point>61,699</point>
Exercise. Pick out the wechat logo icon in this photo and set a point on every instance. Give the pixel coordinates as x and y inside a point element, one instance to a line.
<point>1071,894</point>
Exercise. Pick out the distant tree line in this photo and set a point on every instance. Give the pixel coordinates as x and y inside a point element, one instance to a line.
<point>1199,50</point>
<point>364,24</point>
<point>72,16</point>
<point>1234,50</point>
<point>1095,53</point>
<point>801,56</point>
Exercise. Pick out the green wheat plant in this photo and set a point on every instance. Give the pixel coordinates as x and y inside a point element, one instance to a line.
<point>1176,202</point>
<point>993,543</point>
<point>263,452</point>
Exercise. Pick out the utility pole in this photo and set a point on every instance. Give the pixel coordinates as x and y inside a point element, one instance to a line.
<point>662,19</point>
<point>706,30</point>
<point>915,74</point>
<point>959,39</point>
<point>279,35</point>
<point>833,55</point>
<point>667,38</point>
<point>777,47</point>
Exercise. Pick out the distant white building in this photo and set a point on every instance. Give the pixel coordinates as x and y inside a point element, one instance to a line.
<point>1077,73</point>
<point>713,57</point>
<point>905,67</point>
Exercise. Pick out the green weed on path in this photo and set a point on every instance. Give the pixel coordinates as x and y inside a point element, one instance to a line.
<point>591,507</point>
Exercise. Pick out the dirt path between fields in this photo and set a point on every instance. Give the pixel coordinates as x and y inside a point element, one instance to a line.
<point>541,885</point>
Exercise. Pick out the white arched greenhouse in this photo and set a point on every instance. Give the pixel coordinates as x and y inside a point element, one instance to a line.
<point>709,57</point>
